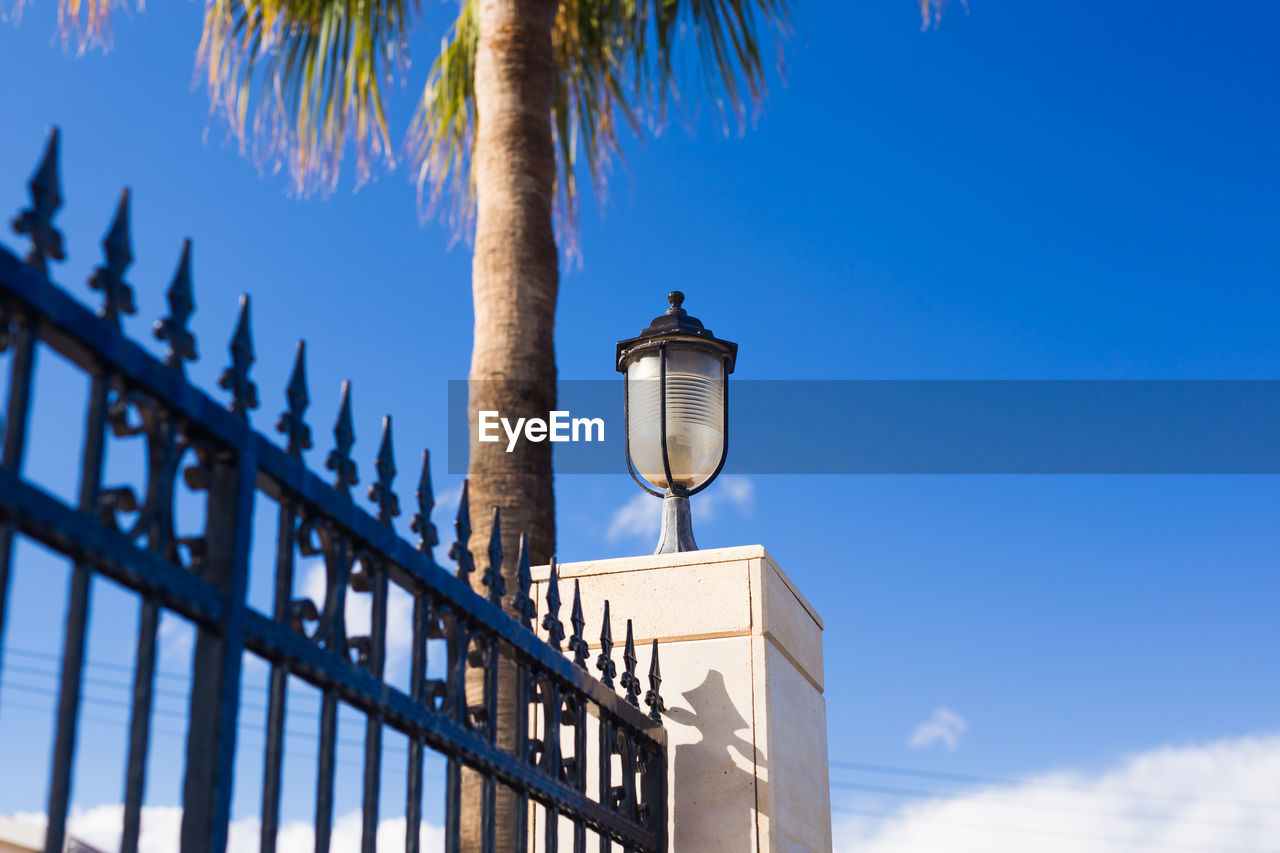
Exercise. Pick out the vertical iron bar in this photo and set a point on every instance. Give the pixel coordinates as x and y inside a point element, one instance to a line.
<point>552,761</point>
<point>453,806</point>
<point>215,687</point>
<point>335,640</point>
<point>521,834</point>
<point>159,535</point>
<point>417,691</point>
<point>553,829</point>
<point>373,721</point>
<point>324,772</point>
<point>15,441</point>
<point>628,752</point>
<point>140,724</point>
<point>580,767</point>
<point>68,707</point>
<point>457,710</point>
<point>76,622</point>
<point>606,775</point>
<point>489,785</point>
<point>372,778</point>
<point>655,782</point>
<point>273,759</point>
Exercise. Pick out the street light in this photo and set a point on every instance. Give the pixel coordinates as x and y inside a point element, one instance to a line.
<point>677,414</point>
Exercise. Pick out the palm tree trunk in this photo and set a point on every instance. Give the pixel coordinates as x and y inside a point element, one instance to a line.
<point>514,282</point>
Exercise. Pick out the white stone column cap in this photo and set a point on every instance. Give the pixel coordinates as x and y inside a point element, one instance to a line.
<point>697,595</point>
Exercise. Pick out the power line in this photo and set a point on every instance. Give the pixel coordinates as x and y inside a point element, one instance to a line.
<point>175,733</point>
<point>105,702</point>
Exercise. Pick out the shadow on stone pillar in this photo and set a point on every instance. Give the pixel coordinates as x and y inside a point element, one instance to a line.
<point>718,725</point>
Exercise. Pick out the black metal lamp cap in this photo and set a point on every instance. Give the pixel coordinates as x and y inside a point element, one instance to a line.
<point>677,323</point>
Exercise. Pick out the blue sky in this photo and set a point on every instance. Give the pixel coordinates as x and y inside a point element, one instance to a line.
<point>1035,191</point>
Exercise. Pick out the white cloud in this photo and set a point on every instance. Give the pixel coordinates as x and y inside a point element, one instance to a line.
<point>446,506</point>
<point>1215,797</point>
<point>176,637</point>
<point>641,516</point>
<point>734,492</point>
<point>161,825</point>
<point>945,727</point>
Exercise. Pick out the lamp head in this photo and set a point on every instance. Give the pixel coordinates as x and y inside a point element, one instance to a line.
<point>677,402</point>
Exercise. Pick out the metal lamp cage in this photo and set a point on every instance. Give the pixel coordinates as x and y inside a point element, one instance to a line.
<point>674,331</point>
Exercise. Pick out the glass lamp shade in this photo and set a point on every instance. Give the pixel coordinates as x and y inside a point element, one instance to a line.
<point>695,434</point>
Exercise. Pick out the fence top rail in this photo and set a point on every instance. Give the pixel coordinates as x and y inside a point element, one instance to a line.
<point>97,344</point>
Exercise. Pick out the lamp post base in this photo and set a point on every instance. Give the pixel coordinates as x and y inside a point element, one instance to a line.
<point>677,526</point>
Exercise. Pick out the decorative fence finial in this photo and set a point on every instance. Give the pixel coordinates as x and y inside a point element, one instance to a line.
<point>344,435</point>
<point>577,644</point>
<point>522,602</point>
<point>37,221</point>
<point>244,393</point>
<point>109,278</point>
<point>604,663</point>
<point>428,538</point>
<point>653,698</point>
<point>493,574</point>
<point>381,492</point>
<point>629,682</point>
<point>459,551</point>
<point>551,622</point>
<point>291,424</point>
<point>173,328</point>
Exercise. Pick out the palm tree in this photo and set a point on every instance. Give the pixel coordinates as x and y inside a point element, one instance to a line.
<point>522,95</point>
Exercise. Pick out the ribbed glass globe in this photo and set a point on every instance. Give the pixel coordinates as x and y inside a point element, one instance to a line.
<point>695,415</point>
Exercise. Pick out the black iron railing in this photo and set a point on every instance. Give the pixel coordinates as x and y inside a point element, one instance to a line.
<point>620,800</point>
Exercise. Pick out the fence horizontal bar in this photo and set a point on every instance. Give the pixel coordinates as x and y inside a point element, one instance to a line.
<point>83,539</point>
<point>370,695</point>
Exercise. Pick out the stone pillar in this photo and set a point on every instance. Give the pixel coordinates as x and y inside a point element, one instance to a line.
<point>741,656</point>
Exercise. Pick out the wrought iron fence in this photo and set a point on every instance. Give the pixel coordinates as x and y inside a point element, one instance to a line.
<point>132,539</point>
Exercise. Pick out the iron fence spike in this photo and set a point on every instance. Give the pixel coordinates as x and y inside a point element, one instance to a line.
<point>460,551</point>
<point>551,622</point>
<point>244,393</point>
<point>340,462</point>
<point>493,574</point>
<point>117,250</point>
<point>173,328</point>
<point>653,698</point>
<point>381,492</point>
<point>422,525</point>
<point>577,644</point>
<point>629,682</point>
<point>36,222</point>
<point>291,423</point>
<point>604,662</point>
<point>524,605</point>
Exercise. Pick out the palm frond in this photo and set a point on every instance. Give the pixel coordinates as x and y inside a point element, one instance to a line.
<point>86,22</point>
<point>617,64</point>
<point>442,135</point>
<point>315,69</point>
<point>931,12</point>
